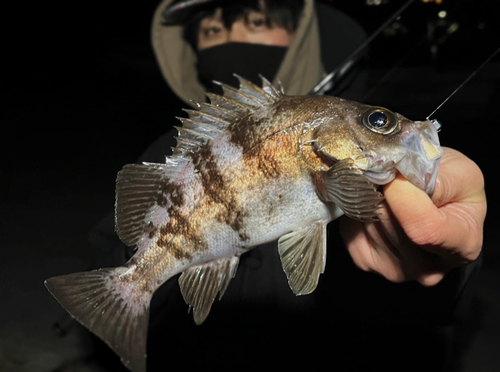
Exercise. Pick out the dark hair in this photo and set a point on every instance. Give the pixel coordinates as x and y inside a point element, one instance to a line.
<point>282,13</point>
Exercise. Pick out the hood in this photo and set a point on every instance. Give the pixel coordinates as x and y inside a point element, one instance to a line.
<point>299,72</point>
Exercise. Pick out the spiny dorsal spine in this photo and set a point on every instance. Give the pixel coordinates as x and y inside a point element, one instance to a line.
<point>211,119</point>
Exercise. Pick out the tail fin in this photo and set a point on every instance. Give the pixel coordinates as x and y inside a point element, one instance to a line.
<point>117,312</point>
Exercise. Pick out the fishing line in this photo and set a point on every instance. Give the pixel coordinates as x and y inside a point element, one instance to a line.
<point>465,81</point>
<point>351,59</point>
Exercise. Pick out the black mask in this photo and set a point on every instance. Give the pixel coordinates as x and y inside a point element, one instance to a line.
<point>247,60</point>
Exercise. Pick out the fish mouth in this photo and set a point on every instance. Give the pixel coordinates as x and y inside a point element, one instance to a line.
<point>423,154</point>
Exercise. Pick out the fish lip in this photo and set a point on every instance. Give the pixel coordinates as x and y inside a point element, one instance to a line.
<point>423,155</point>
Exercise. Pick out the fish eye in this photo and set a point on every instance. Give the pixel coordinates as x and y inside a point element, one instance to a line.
<point>380,120</point>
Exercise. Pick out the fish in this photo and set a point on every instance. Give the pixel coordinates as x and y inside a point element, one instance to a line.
<point>251,166</point>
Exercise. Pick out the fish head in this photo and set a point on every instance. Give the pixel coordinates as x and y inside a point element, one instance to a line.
<point>381,143</point>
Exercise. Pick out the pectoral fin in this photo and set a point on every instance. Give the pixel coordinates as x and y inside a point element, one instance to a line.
<point>200,285</point>
<point>303,256</point>
<point>345,185</point>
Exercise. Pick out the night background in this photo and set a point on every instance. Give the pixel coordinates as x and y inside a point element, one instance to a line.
<point>83,96</point>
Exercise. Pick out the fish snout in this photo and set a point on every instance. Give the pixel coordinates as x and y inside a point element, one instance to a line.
<point>423,154</point>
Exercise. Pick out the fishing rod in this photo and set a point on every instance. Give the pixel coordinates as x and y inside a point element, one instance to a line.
<point>340,71</point>
<point>394,68</point>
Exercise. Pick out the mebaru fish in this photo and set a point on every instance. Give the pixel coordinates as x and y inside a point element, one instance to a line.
<point>252,166</point>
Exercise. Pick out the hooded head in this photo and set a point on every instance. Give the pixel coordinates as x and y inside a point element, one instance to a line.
<point>290,51</point>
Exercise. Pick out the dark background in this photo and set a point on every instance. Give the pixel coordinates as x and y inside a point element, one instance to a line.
<point>83,96</point>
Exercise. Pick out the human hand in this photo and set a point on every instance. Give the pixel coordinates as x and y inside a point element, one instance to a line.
<point>421,238</point>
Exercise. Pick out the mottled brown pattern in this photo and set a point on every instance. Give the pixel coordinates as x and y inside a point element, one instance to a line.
<point>244,130</point>
<point>272,137</point>
<point>177,223</point>
<point>170,191</point>
<point>180,225</point>
<point>269,167</point>
<point>180,252</point>
<point>219,192</point>
<point>236,219</point>
<point>211,177</point>
<point>151,230</point>
<point>276,157</point>
<point>286,113</point>
<point>136,277</point>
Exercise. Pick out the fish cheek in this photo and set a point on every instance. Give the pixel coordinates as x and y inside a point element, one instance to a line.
<point>332,146</point>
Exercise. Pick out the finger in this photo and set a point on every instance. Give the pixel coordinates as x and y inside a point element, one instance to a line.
<point>459,180</point>
<point>461,199</point>
<point>425,267</point>
<point>371,251</point>
<point>453,231</point>
<point>419,218</point>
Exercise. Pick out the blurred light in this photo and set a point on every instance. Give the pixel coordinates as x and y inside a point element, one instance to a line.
<point>453,28</point>
<point>442,14</point>
<point>433,1</point>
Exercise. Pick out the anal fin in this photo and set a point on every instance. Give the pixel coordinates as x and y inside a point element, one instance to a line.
<point>200,285</point>
<point>303,256</point>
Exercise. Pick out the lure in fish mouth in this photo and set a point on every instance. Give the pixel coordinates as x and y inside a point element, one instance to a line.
<point>421,164</point>
<point>250,167</point>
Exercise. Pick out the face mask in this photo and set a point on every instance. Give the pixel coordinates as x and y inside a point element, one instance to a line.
<point>247,60</point>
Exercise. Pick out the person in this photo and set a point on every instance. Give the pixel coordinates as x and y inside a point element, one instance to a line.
<point>277,39</point>
<point>424,250</point>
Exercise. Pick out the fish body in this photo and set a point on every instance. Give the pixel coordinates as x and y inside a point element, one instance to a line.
<point>251,167</point>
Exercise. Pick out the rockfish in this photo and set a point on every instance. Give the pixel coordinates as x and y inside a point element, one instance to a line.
<point>250,167</point>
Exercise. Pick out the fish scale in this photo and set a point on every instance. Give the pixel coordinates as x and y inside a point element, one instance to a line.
<point>250,167</point>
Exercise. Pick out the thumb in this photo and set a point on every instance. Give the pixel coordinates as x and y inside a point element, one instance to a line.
<point>420,219</point>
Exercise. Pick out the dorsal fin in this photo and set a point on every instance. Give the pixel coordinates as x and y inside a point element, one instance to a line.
<point>270,89</point>
<point>239,95</point>
<point>211,119</point>
<point>216,121</point>
<point>250,94</point>
<point>265,96</point>
<point>217,111</point>
<point>229,104</point>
